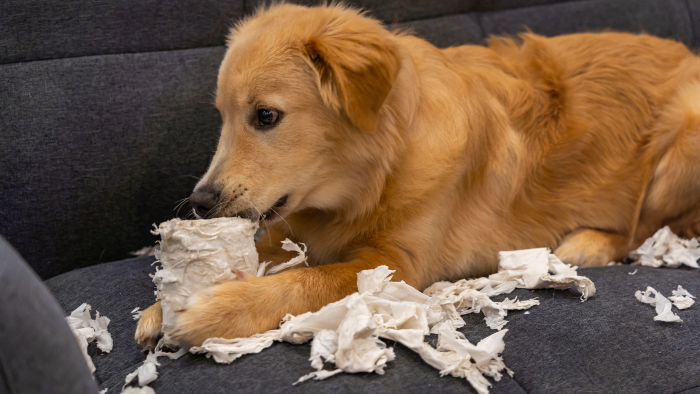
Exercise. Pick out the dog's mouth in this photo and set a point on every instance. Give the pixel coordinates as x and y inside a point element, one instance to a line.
<point>272,213</point>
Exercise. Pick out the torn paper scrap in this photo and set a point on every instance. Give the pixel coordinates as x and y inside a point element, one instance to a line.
<point>196,254</point>
<point>318,375</point>
<point>138,390</point>
<point>681,298</point>
<point>662,304</point>
<point>87,330</point>
<point>348,332</point>
<point>147,372</point>
<point>290,246</point>
<point>136,313</point>
<point>145,251</point>
<point>665,248</point>
<point>225,351</point>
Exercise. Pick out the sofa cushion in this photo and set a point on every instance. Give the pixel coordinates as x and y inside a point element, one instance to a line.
<point>609,343</point>
<point>96,149</point>
<point>98,146</point>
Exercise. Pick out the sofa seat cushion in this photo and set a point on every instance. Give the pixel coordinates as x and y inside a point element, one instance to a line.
<point>609,343</point>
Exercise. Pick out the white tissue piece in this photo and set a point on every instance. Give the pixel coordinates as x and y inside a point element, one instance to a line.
<point>87,330</point>
<point>225,351</point>
<point>665,248</point>
<point>662,304</point>
<point>290,246</point>
<point>681,298</point>
<point>196,254</point>
<point>145,251</point>
<point>148,372</point>
<point>136,313</point>
<point>138,390</point>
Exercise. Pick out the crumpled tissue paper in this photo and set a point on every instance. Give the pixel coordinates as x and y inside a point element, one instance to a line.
<point>196,254</point>
<point>347,332</point>
<point>87,330</point>
<point>681,299</point>
<point>193,255</point>
<point>665,248</point>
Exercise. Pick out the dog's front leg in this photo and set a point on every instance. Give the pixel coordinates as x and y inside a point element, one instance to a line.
<point>254,305</point>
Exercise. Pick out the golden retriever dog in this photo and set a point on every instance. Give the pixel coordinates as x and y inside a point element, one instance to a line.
<point>374,147</point>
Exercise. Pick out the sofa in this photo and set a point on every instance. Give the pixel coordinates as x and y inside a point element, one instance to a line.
<point>106,121</point>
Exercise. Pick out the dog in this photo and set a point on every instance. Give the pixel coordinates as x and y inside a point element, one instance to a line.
<point>373,147</point>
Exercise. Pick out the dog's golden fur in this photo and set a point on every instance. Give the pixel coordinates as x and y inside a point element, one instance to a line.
<point>430,161</point>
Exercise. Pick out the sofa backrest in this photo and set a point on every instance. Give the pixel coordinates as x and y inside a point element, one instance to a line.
<point>106,115</point>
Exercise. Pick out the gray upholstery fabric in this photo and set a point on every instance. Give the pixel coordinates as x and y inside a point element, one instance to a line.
<point>663,18</point>
<point>609,343</point>
<point>96,149</point>
<point>50,29</point>
<point>38,352</point>
<point>100,140</point>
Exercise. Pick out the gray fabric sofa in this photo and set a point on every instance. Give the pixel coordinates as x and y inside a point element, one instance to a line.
<point>106,121</point>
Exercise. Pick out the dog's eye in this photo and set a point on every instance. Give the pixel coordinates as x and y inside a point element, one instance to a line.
<point>266,118</point>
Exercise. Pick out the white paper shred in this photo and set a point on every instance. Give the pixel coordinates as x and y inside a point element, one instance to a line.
<point>145,251</point>
<point>196,254</point>
<point>136,313</point>
<point>665,248</point>
<point>662,304</point>
<point>138,390</point>
<point>681,298</point>
<point>87,330</point>
<point>347,332</point>
<point>289,246</point>
<point>147,372</point>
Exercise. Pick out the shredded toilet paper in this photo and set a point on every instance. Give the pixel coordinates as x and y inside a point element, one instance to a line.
<point>347,332</point>
<point>86,329</point>
<point>136,313</point>
<point>662,304</point>
<point>681,298</point>
<point>196,254</point>
<point>193,255</point>
<point>665,248</point>
<point>147,372</point>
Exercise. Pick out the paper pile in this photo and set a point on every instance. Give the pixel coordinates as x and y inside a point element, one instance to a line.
<point>681,299</point>
<point>87,330</point>
<point>348,332</point>
<point>193,255</point>
<point>667,249</point>
<point>196,254</point>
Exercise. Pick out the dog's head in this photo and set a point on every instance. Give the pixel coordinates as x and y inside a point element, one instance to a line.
<point>298,90</point>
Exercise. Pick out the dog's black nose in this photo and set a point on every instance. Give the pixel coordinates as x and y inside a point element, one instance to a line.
<point>203,201</point>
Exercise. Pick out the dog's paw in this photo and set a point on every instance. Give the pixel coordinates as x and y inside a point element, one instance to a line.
<point>149,326</point>
<point>231,310</point>
<point>591,248</point>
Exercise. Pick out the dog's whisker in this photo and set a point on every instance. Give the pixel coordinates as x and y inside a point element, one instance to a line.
<point>213,210</point>
<point>181,204</point>
<point>276,213</point>
<point>267,229</point>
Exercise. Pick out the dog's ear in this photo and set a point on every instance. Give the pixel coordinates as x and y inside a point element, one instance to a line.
<point>357,66</point>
